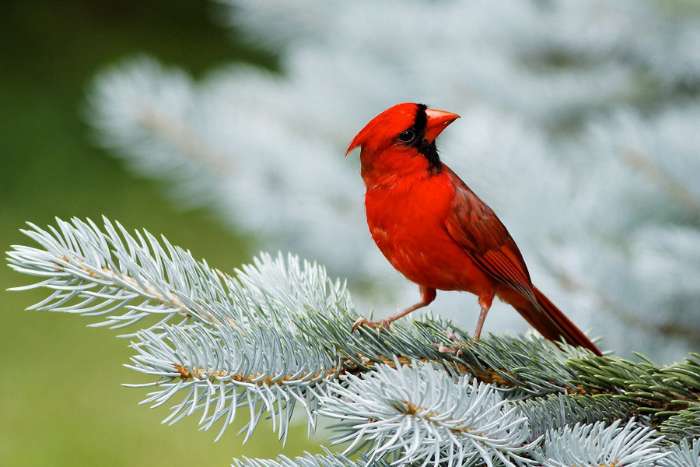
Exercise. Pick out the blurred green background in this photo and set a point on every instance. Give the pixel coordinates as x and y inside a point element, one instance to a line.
<point>61,403</point>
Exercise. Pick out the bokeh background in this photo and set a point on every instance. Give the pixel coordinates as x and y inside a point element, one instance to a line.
<point>223,124</point>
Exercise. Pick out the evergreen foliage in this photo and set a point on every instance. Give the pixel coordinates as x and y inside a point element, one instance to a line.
<point>275,336</point>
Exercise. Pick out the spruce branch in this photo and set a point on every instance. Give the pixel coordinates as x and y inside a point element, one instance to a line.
<point>218,370</point>
<point>213,355</point>
<point>97,271</point>
<point>275,336</point>
<point>556,411</point>
<point>601,444</point>
<point>656,390</point>
<point>530,364</point>
<point>423,415</point>
<point>682,425</point>
<point>684,454</point>
<point>101,272</point>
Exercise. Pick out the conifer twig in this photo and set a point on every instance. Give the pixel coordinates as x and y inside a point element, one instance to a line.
<point>276,336</point>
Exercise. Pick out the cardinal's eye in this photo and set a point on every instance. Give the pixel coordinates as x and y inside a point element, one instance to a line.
<point>407,136</point>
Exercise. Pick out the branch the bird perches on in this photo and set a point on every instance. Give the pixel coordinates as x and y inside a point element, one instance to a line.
<point>276,335</point>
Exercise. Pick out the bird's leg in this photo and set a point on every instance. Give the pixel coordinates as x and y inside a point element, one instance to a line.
<point>427,296</point>
<point>485,303</point>
<point>480,322</point>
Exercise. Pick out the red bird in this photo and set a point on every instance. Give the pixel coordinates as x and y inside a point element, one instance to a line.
<point>436,231</point>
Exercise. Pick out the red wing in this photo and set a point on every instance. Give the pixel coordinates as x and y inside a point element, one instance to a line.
<point>475,227</point>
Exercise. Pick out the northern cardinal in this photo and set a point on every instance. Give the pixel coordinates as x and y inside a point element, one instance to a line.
<point>436,231</point>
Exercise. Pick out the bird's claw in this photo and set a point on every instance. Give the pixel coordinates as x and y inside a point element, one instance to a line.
<point>383,324</point>
<point>454,350</point>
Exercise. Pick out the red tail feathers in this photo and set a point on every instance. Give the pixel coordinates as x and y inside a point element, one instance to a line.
<point>552,323</point>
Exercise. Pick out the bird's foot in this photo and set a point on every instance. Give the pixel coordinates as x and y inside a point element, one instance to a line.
<point>381,324</point>
<point>454,349</point>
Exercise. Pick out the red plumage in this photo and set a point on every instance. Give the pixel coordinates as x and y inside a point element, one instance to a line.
<point>436,231</point>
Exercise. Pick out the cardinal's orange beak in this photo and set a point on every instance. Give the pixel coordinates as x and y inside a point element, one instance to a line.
<point>438,120</point>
